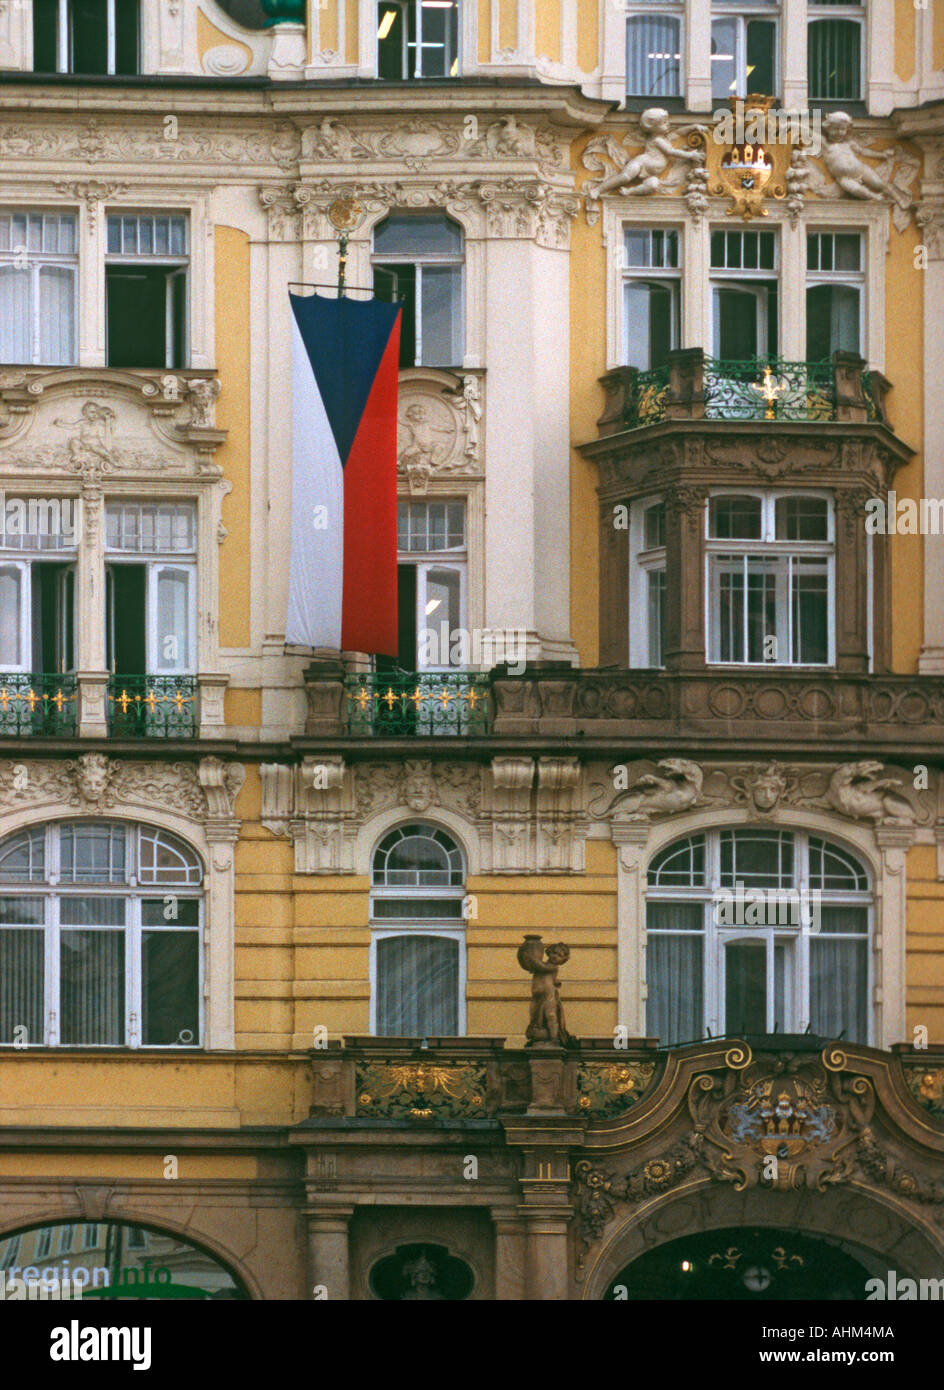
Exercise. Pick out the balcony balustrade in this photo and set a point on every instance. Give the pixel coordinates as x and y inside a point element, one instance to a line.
<point>152,706</point>
<point>38,703</point>
<point>416,704</point>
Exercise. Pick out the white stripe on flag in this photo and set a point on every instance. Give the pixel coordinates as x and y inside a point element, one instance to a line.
<point>316,572</point>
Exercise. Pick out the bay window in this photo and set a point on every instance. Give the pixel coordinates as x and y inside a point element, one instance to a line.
<point>100,931</point>
<point>757,931</point>
<point>38,297</point>
<point>770,562</point>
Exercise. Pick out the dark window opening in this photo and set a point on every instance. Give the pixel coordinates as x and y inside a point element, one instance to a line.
<point>125,619</point>
<point>146,308</point>
<point>87,37</point>
<point>53,616</point>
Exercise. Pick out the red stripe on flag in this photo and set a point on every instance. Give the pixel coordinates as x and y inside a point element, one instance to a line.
<point>369,602</point>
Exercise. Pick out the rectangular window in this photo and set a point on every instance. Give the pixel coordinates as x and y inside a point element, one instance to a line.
<point>651,295</point>
<point>744,291</point>
<point>770,603</point>
<point>418,263</point>
<point>834,51</point>
<point>151,606</point>
<point>654,53</point>
<point>146,287</point>
<point>417,39</point>
<point>93,37</point>
<point>675,971</point>
<point>835,294</point>
<point>647,584</point>
<point>743,55</point>
<point>432,579</point>
<point>21,968</point>
<point>37,614</point>
<point>38,297</point>
<point>417,986</point>
<point>170,971</point>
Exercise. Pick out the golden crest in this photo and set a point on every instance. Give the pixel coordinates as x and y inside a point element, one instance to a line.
<point>752,166</point>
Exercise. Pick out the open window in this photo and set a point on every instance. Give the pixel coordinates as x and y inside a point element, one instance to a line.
<point>146,287</point>
<point>417,39</point>
<point>418,260</point>
<point>743,49</point>
<point>652,293</point>
<point>151,589</point>
<point>37,585</point>
<point>744,295</point>
<point>93,37</point>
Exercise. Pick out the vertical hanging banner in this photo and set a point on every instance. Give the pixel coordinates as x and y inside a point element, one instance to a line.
<point>343,568</point>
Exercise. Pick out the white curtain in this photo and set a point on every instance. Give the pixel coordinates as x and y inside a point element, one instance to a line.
<point>417,986</point>
<point>21,978</point>
<point>11,597</point>
<point>653,56</point>
<point>92,971</point>
<point>173,620</point>
<point>15,327</point>
<point>839,975</point>
<point>674,972</point>
<point>57,314</point>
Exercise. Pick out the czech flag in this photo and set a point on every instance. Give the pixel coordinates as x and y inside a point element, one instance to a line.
<point>343,571</point>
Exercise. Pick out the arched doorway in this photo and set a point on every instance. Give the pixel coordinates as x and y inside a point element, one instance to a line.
<point>754,1264</point>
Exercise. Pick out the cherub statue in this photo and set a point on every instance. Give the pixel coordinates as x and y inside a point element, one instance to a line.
<point>418,447</point>
<point>546,1024</point>
<point>842,157</point>
<point>93,440</point>
<point>643,173</point>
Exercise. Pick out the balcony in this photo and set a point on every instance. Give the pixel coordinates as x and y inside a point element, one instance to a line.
<point>695,387</point>
<point>152,706</point>
<point>416,704</point>
<point>38,703</point>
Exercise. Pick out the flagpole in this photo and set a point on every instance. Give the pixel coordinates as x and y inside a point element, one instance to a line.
<point>343,214</point>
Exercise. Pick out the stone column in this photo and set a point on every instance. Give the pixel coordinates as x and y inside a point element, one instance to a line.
<point>698,56</point>
<point>852,581</point>
<point>510,1257</point>
<point>684,580</point>
<point>220,935</point>
<point>547,1255</point>
<point>631,838</point>
<point>794,43</point>
<point>894,841</point>
<point>90,625</point>
<point>329,1265</point>
<point>931,221</point>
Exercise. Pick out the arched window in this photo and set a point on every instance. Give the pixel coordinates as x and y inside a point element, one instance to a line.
<point>418,968</point>
<point>99,937</point>
<point>757,931</point>
<point>418,259</point>
<point>112,1259</point>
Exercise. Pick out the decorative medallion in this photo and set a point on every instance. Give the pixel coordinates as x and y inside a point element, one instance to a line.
<point>752,167</point>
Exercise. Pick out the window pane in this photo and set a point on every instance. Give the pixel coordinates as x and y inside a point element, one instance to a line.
<point>92,987</point>
<point>735,518</point>
<point>723,52</point>
<point>674,978</point>
<point>758,859</point>
<point>838,988</point>
<point>761,47</point>
<point>169,988</point>
<point>414,856</point>
<point>656,616</point>
<point>11,584</point>
<point>173,620</point>
<point>831,868</point>
<point>423,234</point>
<point>56,315</point>
<point>654,526</point>
<point>417,910</point>
<point>680,864</point>
<point>92,912</point>
<point>92,853</point>
<point>443,614</point>
<point>23,856</point>
<point>441,315</point>
<point>163,859</point>
<point>832,321</point>
<point>15,317</point>
<point>834,59</point>
<point>802,519</point>
<point>653,60</point>
<point>417,987</point>
<point>745,987</point>
<point>810,599</point>
<point>651,317</point>
<point>21,974</point>
<point>170,911</point>
<point>88,36</point>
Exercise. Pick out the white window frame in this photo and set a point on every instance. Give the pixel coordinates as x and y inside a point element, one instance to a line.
<point>739,278</point>
<point>155,562</point>
<point>36,262</point>
<point>715,938</point>
<point>418,260</point>
<point>672,10</point>
<point>855,14</point>
<point>643,564</point>
<point>854,278</point>
<point>454,558</point>
<point>452,933</point>
<point>742,15</point>
<point>764,547</point>
<point>417,74</point>
<point>178,264</point>
<point>64,56</point>
<point>24,567</point>
<point>132,892</point>
<point>665,274</point>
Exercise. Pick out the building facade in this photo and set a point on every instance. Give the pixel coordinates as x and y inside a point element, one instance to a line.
<point>671,592</point>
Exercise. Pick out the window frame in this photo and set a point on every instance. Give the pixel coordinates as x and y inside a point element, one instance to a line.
<point>671,275</point>
<point>380,260</point>
<point>825,11</point>
<point>749,279</point>
<point>859,279</point>
<point>455,57</point>
<point>449,928</point>
<point>767,545</point>
<point>716,937</point>
<point>155,562</point>
<point>643,564</point>
<point>36,262</point>
<point>176,265</point>
<point>65,62</point>
<point>131,891</point>
<point>742,14</point>
<point>673,10</point>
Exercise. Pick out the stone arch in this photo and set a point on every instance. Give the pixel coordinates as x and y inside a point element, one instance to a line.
<point>884,1232</point>
<point>442,818</point>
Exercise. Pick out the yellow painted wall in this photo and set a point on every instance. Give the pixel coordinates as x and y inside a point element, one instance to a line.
<point>507,23</point>
<point>232,414</point>
<point>905,17</point>
<point>485,30</point>
<point>937,29</point>
<point>327,18</point>
<point>924,945</point>
<point>904,351</point>
<point>208,36</point>
<point>350,32</point>
<point>588,35</point>
<point>548,29</point>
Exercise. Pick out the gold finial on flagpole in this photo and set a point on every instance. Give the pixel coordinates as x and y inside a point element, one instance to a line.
<point>343,214</point>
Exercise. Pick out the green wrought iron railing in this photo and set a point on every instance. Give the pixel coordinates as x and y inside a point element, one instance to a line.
<point>38,703</point>
<point>152,706</point>
<point>417,703</point>
<point>769,389</point>
<point>647,400</point>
